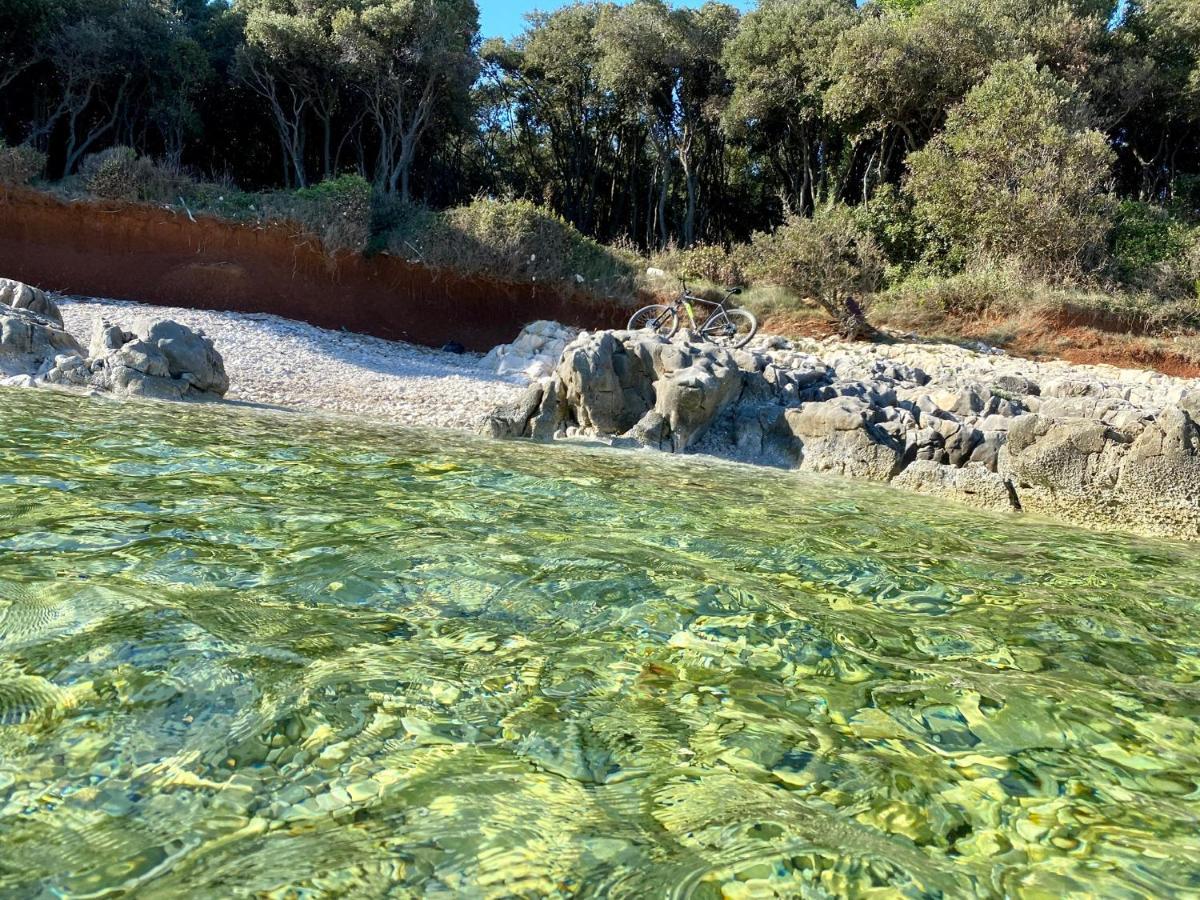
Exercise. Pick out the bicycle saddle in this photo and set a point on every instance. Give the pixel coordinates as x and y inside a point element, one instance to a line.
<point>733,290</point>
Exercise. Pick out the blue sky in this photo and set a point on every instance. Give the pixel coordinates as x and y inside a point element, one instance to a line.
<point>505,18</point>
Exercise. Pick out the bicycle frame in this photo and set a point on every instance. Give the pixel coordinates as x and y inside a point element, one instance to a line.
<point>686,300</point>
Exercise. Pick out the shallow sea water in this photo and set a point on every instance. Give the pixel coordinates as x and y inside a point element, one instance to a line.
<point>250,655</point>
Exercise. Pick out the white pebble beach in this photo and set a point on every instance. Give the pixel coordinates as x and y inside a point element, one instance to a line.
<point>281,362</point>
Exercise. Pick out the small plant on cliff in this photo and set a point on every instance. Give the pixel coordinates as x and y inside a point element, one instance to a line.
<point>20,165</point>
<point>118,173</point>
<point>338,211</point>
<point>512,239</point>
<point>829,258</point>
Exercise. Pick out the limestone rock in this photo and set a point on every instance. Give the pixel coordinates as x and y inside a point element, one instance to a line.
<point>534,353</point>
<point>513,420</point>
<point>16,295</point>
<point>31,332</point>
<point>1096,446</point>
<point>973,484</point>
<point>839,436</point>
<point>160,359</point>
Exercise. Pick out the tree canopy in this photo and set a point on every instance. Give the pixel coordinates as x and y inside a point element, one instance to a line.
<point>645,123</point>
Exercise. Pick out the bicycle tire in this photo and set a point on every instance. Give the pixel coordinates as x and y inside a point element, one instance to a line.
<point>732,329</point>
<point>662,320</point>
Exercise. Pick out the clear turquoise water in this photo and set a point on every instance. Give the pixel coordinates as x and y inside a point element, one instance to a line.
<point>255,656</point>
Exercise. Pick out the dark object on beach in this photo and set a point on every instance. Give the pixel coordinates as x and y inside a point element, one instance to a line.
<point>453,347</point>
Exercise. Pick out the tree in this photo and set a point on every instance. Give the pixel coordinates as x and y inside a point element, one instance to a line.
<point>1018,172</point>
<point>665,64</point>
<point>407,57</point>
<point>561,110</point>
<point>27,24</point>
<point>290,59</point>
<point>1159,138</point>
<point>778,63</point>
<point>894,75</point>
<point>829,258</point>
<point>92,79</point>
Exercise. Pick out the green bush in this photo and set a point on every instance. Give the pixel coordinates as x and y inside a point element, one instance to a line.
<point>20,165</point>
<point>1151,250</point>
<point>337,211</point>
<point>1018,174</point>
<point>910,244</point>
<point>512,239</point>
<point>118,173</point>
<point>1185,198</point>
<point>702,262</point>
<point>829,258</point>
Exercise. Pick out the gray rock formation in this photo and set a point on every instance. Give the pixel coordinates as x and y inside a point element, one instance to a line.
<point>16,295</point>
<point>31,334</point>
<point>1145,475</point>
<point>161,359</point>
<point>637,387</point>
<point>1095,446</point>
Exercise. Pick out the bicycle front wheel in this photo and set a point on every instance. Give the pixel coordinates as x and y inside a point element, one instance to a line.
<point>662,320</point>
<point>732,328</point>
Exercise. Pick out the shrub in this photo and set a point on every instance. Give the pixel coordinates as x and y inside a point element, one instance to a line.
<point>702,262</point>
<point>829,258</point>
<point>1150,250</point>
<point>118,173</point>
<point>1018,173</point>
<point>20,165</point>
<point>512,239</point>
<point>337,211</point>
<point>910,244</point>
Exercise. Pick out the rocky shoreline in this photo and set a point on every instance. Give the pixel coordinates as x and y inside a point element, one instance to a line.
<point>1091,445</point>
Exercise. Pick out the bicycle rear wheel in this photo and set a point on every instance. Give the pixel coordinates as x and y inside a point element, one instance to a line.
<point>732,328</point>
<point>662,320</point>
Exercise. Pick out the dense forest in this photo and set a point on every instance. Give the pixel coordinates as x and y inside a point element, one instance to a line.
<point>951,129</point>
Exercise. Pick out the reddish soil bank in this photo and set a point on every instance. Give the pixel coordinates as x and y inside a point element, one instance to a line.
<point>156,255</point>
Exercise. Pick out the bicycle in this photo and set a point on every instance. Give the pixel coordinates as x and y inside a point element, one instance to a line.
<point>728,327</point>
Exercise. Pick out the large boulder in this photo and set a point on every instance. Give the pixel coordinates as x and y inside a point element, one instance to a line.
<point>632,386</point>
<point>1146,475</point>
<point>161,359</point>
<point>17,295</point>
<point>31,334</point>
<point>843,436</point>
<point>534,353</point>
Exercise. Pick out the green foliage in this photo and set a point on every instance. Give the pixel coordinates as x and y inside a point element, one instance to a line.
<point>338,211</point>
<point>20,165</point>
<point>910,244</point>
<point>933,303</point>
<point>829,258</point>
<point>118,173</point>
<point>702,262</point>
<point>511,239</point>
<point>1018,174</point>
<point>1145,236</point>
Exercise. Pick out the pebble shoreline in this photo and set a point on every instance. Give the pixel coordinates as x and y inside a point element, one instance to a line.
<point>281,362</point>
